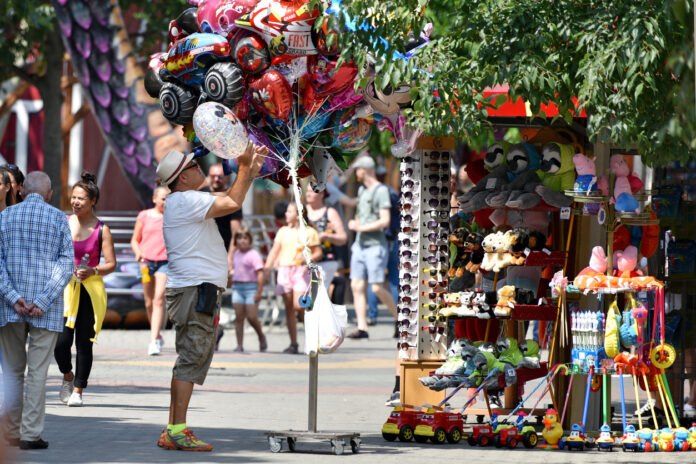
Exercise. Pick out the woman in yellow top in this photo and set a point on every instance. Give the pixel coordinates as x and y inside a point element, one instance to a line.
<point>293,275</point>
<point>85,296</point>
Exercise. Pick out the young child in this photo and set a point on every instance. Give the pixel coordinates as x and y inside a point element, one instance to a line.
<point>247,287</point>
<point>293,275</point>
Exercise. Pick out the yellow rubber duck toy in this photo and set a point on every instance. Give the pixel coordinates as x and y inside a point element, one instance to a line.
<point>553,431</point>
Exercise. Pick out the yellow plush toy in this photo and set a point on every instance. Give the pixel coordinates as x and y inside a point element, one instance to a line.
<point>506,300</point>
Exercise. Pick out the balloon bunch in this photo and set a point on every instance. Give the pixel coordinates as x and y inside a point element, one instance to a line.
<point>260,70</point>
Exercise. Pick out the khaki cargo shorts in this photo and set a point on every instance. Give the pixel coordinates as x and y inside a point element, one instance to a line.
<point>195,334</point>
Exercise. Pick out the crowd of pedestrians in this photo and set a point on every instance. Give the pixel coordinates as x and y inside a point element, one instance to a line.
<point>191,245</point>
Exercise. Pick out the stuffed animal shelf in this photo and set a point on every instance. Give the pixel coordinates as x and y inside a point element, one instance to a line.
<point>557,165</point>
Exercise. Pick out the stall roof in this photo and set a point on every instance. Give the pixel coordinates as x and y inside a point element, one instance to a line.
<point>520,108</point>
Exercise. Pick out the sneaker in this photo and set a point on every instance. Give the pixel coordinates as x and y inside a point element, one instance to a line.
<point>66,389</point>
<point>165,442</point>
<point>75,400</point>
<point>358,334</point>
<point>689,411</point>
<point>160,341</point>
<point>154,349</point>
<point>645,409</point>
<point>393,399</point>
<point>187,441</point>
<point>263,344</point>
<point>36,444</point>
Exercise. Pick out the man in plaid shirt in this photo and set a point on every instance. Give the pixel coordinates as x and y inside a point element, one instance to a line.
<point>36,263</point>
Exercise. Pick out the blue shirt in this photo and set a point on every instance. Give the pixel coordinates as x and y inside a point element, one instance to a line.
<point>36,261</point>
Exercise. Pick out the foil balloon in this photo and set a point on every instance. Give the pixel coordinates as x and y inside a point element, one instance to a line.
<point>251,53</point>
<point>350,132</point>
<point>327,79</point>
<point>218,16</point>
<point>285,25</point>
<point>346,99</point>
<point>271,95</point>
<point>220,130</point>
<point>271,164</point>
<point>293,69</point>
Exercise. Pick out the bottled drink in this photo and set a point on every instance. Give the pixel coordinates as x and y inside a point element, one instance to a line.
<point>84,264</point>
<point>145,271</point>
<point>328,230</point>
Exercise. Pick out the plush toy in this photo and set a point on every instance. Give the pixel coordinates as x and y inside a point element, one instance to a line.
<point>519,240</point>
<point>458,267</point>
<point>523,161</point>
<point>557,164</point>
<point>618,165</point>
<point>525,296</point>
<point>465,307</point>
<point>473,244</point>
<point>506,297</point>
<point>623,200</point>
<point>626,262</point>
<point>484,363</point>
<point>537,240</point>
<point>586,180</point>
<point>490,244</point>
<point>598,263</point>
<point>475,199</point>
<point>452,302</point>
<point>530,354</point>
<point>481,303</point>
<point>509,351</point>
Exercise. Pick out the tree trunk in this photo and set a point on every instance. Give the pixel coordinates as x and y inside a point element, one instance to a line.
<point>52,96</point>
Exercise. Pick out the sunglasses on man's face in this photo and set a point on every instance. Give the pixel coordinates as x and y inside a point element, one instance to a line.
<point>190,166</point>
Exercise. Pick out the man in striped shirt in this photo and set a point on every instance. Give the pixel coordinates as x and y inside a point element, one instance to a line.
<point>36,263</point>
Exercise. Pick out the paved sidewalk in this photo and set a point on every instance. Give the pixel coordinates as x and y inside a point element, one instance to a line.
<point>245,395</point>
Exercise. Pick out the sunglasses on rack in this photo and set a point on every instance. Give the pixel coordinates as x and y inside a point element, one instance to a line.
<point>434,329</point>
<point>434,225</point>
<point>406,311</point>
<point>436,283</point>
<point>435,214</point>
<point>436,166</point>
<point>406,242</point>
<point>405,323</point>
<point>409,196</point>
<point>436,259</point>
<point>434,248</point>
<point>442,203</point>
<point>433,306</point>
<point>433,272</point>
<point>408,159</point>
<point>438,177</point>
<point>407,265</point>
<point>408,254</point>
<point>436,155</point>
<point>434,190</point>
<point>434,236</point>
<point>408,183</point>
<point>407,172</point>
<point>405,300</point>
<point>406,288</point>
<point>407,205</point>
<point>432,318</point>
<point>403,346</point>
<point>434,295</point>
<point>406,277</point>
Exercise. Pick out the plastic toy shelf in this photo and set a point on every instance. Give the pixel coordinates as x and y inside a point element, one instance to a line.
<point>586,197</point>
<point>542,258</point>
<point>637,219</point>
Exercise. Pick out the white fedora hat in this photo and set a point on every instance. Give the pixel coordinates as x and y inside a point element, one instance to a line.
<point>171,165</point>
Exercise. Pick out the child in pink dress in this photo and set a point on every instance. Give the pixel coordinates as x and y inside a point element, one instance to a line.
<point>247,287</point>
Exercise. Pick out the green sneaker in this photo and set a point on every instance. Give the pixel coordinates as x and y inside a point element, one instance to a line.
<point>187,441</point>
<point>165,442</point>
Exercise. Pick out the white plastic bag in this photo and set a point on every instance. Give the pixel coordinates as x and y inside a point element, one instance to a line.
<point>325,325</point>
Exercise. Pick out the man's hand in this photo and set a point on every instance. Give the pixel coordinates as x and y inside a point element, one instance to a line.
<point>21,307</point>
<point>354,225</point>
<point>253,158</point>
<point>35,311</point>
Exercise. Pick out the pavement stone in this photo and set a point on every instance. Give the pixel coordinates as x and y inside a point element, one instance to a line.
<point>245,395</point>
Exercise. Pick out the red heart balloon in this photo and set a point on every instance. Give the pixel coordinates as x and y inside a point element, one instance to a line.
<point>271,94</point>
<point>311,102</point>
<point>327,80</point>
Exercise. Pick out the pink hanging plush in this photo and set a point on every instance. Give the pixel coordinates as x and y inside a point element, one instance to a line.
<point>598,263</point>
<point>626,262</point>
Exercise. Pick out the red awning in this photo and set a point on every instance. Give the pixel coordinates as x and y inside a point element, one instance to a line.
<point>520,108</point>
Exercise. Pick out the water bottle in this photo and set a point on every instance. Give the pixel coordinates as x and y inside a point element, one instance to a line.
<point>145,271</point>
<point>84,264</point>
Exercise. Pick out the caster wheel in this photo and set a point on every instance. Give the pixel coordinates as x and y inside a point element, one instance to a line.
<point>291,443</point>
<point>337,447</point>
<point>274,444</point>
<point>355,445</point>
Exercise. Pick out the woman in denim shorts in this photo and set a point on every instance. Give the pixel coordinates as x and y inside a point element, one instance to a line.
<point>248,281</point>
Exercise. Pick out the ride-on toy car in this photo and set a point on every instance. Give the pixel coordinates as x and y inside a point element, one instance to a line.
<point>575,441</point>
<point>401,423</point>
<point>439,426</point>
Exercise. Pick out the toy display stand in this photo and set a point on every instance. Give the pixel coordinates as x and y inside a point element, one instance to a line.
<point>338,440</point>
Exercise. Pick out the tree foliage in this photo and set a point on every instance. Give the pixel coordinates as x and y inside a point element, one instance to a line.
<point>628,63</point>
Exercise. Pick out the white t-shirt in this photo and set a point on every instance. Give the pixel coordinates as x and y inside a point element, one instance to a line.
<point>195,249</point>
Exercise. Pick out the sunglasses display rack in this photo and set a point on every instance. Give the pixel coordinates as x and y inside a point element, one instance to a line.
<point>424,250</point>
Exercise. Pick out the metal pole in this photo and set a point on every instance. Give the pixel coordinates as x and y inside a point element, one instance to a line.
<point>694,13</point>
<point>313,381</point>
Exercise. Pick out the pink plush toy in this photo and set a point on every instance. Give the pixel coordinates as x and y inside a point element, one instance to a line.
<point>626,262</point>
<point>618,166</point>
<point>587,173</point>
<point>598,262</point>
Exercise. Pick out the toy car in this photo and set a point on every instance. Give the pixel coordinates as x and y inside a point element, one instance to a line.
<point>197,63</point>
<point>576,440</point>
<point>681,439</point>
<point>647,440</point>
<point>481,435</point>
<point>630,440</point>
<point>400,424</point>
<point>510,436</point>
<point>439,426</point>
<point>605,440</point>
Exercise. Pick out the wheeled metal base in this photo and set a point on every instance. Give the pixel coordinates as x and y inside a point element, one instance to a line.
<point>338,440</point>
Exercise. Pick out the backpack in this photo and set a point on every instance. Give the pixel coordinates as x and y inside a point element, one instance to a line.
<point>392,232</point>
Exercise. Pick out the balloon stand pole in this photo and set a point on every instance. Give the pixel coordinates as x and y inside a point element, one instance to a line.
<point>338,440</point>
